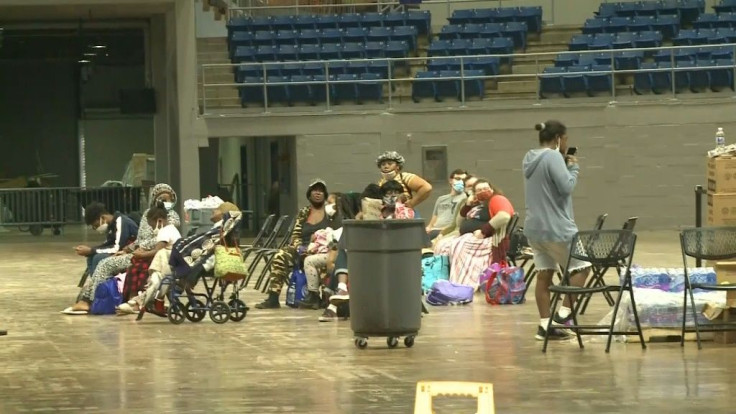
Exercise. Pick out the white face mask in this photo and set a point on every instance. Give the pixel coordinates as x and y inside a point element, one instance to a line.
<point>158,228</point>
<point>169,205</point>
<point>557,148</point>
<point>330,209</point>
<point>102,228</point>
<point>389,175</point>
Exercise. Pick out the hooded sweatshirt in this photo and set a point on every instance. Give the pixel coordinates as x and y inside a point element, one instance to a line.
<point>548,187</point>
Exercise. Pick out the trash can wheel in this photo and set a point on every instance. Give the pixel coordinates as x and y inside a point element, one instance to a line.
<point>36,230</point>
<point>392,341</point>
<point>409,341</point>
<point>361,343</point>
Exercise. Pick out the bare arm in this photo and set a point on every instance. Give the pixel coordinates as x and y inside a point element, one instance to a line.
<point>421,189</point>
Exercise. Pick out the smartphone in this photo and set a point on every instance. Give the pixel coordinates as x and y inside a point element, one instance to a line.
<point>572,150</point>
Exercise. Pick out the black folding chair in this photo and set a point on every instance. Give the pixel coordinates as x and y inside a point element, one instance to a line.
<point>601,248</point>
<point>532,272</point>
<point>708,243</point>
<point>267,256</point>
<point>262,235</point>
<point>280,231</point>
<point>597,274</point>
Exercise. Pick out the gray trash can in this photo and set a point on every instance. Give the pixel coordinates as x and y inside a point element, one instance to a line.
<point>384,261</point>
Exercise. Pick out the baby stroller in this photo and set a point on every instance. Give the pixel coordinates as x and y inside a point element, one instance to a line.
<point>192,261</point>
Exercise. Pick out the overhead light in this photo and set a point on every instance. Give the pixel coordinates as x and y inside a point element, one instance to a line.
<point>98,46</point>
<point>84,61</point>
<point>91,54</point>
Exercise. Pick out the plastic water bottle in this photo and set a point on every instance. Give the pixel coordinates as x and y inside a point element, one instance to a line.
<point>720,138</point>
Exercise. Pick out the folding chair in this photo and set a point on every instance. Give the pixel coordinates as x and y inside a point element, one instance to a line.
<point>709,243</point>
<point>532,272</point>
<point>602,248</point>
<point>596,278</point>
<point>261,236</point>
<point>267,255</point>
<point>273,239</point>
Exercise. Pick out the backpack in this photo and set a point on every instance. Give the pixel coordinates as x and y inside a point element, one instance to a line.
<point>504,285</point>
<point>434,268</point>
<point>297,289</point>
<point>517,242</point>
<point>444,292</point>
<point>107,298</point>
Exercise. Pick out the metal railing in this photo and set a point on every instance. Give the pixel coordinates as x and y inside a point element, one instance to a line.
<point>34,208</point>
<point>391,81</point>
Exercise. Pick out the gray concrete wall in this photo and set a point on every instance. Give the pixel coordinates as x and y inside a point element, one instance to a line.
<point>636,159</point>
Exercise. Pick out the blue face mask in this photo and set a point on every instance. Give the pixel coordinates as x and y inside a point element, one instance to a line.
<point>458,186</point>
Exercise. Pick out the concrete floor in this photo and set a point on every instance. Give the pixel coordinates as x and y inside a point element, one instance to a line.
<point>285,361</point>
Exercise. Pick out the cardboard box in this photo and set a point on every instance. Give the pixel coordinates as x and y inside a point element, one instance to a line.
<point>721,174</point>
<point>729,337</point>
<point>725,272</point>
<point>721,209</point>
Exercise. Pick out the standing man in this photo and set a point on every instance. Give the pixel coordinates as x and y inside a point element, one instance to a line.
<point>446,206</point>
<point>550,177</point>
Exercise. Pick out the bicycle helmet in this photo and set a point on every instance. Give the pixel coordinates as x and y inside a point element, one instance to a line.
<point>390,156</point>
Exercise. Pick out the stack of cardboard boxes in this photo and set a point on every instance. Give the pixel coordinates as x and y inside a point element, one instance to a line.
<point>722,212</point>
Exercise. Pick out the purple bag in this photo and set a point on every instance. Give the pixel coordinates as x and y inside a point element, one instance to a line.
<point>444,292</point>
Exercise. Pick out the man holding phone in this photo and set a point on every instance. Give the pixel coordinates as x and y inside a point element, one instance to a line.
<point>549,180</point>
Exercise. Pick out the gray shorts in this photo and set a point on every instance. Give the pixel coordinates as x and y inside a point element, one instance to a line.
<point>551,255</point>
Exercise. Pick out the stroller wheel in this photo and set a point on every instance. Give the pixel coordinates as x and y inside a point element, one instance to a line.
<point>219,312</point>
<point>195,310</point>
<point>238,310</point>
<point>175,313</point>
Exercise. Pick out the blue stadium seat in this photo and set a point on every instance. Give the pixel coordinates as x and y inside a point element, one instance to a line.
<point>394,19</point>
<point>396,49</point>
<point>370,88</point>
<point>706,21</point>
<point>349,21</point>
<point>517,31</point>
<point>422,20</point>
<point>287,52</point>
<point>313,69</point>
<point>574,80</point>
<point>682,77</point>
<point>598,82</point>
<point>338,68</point>
<point>473,87</point>
<point>244,54</point>
<point>437,65</point>
<point>680,55</point>
<point>550,81</point>
<point>357,67</point>
<point>330,36</point>
<point>291,69</point>
<point>309,52</point>
<point>260,23</point>
<point>662,80</point>
<point>238,24</point>
<point>667,25</point>
<point>627,60</point>
<point>480,47</point>
<point>327,21</point>
<point>320,91</point>
<point>462,16</point>
<point>309,37</point>
<point>249,71</point>
<point>726,20</point>
<point>439,48</point>
<point>374,50</point>
<point>618,24</point>
<point>264,38</point>
<point>379,67</point>
<point>641,23</point>
<point>300,93</point>
<point>648,39</point>
<point>370,20</point>
<point>346,90</point>
<point>286,37</point>
<point>407,34</point>
<point>304,22</point>
<point>240,39</point>
<point>460,47</point>
<point>282,23</point>
<point>355,34</point>
<point>266,53</point>
<point>722,78</point>
<point>594,26</point>
<point>700,78</point>
<point>580,42</point>
<point>532,16</point>
<point>250,92</point>
<point>379,34</point>
<point>488,65</point>
<point>564,60</point>
<point>725,6</point>
<point>602,41</point>
<point>277,93</point>
<point>330,52</point>
<point>483,16</point>
<point>470,31</point>
<point>447,88</point>
<point>352,51</point>
<point>647,9</point>
<point>728,34</point>
<point>451,32</point>
<point>624,40</point>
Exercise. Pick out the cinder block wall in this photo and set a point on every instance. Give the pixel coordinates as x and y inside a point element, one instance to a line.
<point>636,159</point>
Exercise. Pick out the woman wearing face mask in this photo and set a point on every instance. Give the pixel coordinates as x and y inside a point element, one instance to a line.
<point>443,242</point>
<point>308,220</point>
<point>134,258</point>
<point>483,237</point>
<point>394,202</point>
<point>413,187</point>
<point>165,235</point>
<point>119,231</point>
<point>549,180</point>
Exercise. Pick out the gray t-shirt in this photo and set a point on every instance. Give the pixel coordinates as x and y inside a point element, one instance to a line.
<point>445,208</point>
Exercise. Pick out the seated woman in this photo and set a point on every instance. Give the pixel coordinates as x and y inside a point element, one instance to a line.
<point>394,202</point>
<point>166,235</point>
<point>482,235</point>
<point>133,257</point>
<point>443,242</point>
<point>308,221</point>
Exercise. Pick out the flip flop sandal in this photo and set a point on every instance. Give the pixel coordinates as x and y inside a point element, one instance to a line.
<point>70,311</point>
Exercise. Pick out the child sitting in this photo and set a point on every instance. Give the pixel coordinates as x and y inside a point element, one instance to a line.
<point>394,202</point>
